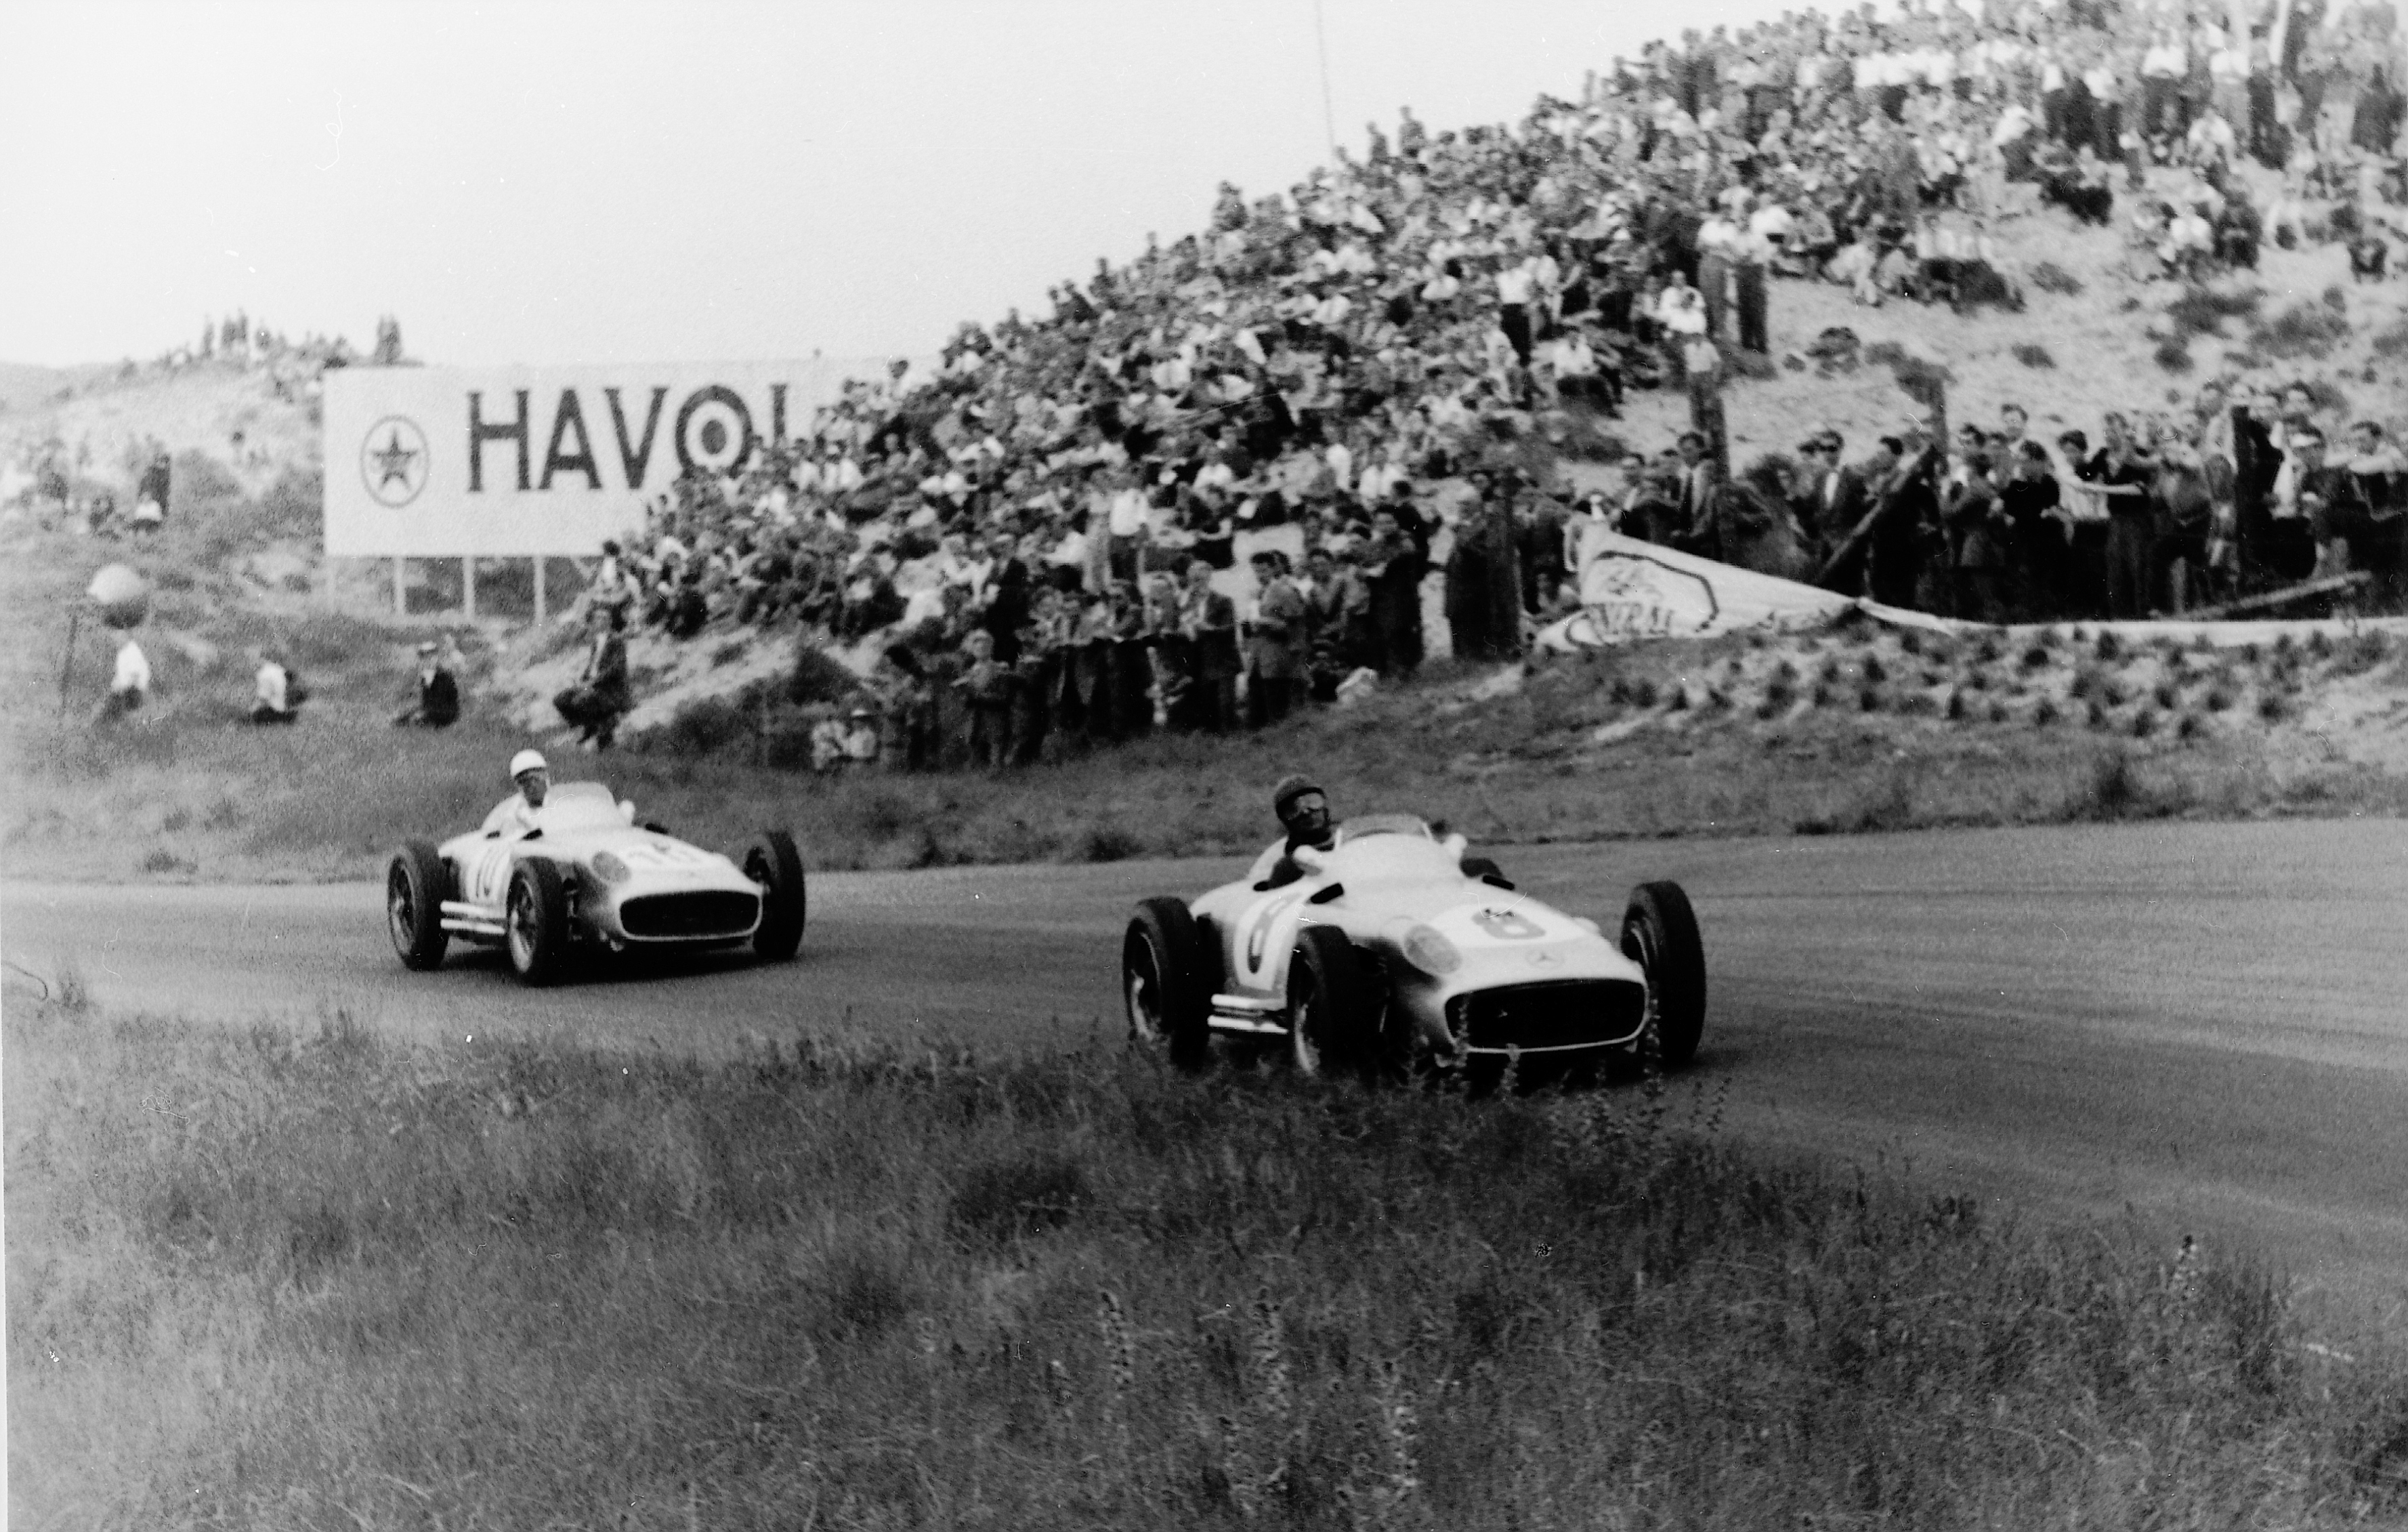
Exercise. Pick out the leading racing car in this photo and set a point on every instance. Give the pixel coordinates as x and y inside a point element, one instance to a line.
<point>587,878</point>
<point>1393,951</point>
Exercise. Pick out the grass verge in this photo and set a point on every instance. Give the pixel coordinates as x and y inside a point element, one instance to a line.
<point>1689,738</point>
<point>316,1279</point>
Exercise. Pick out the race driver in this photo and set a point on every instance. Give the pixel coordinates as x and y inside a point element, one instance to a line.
<point>514,818</point>
<point>1303,812</point>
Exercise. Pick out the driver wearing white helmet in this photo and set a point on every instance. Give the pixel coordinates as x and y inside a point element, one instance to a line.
<point>515,816</point>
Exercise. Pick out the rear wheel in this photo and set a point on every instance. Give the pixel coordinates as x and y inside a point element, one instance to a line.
<point>1659,933</point>
<point>1331,1013</point>
<point>415,887</point>
<point>1163,980</point>
<point>535,922</point>
<point>772,861</point>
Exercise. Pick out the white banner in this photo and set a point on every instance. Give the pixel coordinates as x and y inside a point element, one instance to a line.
<point>1631,589</point>
<point>446,462</point>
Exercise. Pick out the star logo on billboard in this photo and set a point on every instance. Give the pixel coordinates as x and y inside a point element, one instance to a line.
<point>393,461</point>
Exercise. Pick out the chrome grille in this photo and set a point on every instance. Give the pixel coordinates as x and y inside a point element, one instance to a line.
<point>1563,1013</point>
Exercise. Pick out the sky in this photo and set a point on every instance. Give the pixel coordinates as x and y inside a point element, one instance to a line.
<point>613,182</point>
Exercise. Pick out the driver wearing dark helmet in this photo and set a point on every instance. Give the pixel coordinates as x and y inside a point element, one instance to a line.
<point>1303,812</point>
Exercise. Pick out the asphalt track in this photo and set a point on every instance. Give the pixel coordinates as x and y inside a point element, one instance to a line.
<point>2204,1026</point>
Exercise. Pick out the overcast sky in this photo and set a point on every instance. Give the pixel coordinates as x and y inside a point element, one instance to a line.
<point>613,182</point>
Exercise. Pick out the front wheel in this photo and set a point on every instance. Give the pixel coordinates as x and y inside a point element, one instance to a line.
<point>1163,980</point>
<point>1332,1016</point>
<point>772,861</point>
<point>1659,933</point>
<point>415,887</point>
<point>535,922</point>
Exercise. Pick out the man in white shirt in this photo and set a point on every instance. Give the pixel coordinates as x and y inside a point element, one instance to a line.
<point>130,687</point>
<point>271,701</point>
<point>518,815</point>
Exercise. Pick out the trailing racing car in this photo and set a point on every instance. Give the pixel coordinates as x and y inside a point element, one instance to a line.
<point>586,878</point>
<point>1393,951</point>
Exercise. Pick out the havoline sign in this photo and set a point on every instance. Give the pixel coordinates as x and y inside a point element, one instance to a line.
<point>446,462</point>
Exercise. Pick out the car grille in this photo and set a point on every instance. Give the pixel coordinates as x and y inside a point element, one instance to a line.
<point>712,913</point>
<point>1566,1013</point>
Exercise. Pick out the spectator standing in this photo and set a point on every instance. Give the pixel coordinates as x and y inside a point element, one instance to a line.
<point>2124,472</point>
<point>1392,564</point>
<point>1208,620</point>
<point>2035,536</point>
<point>1975,523</point>
<point>601,696</point>
<point>2380,545</point>
<point>439,693</point>
<point>157,483</point>
<point>1275,644</point>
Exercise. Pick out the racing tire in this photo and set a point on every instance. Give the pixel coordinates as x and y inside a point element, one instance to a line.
<point>1163,982</point>
<point>535,922</point>
<point>1485,870</point>
<point>1332,1014</point>
<point>415,887</point>
<point>1659,933</point>
<point>772,861</point>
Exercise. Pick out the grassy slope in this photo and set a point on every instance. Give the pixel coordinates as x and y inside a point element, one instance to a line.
<point>319,1280</point>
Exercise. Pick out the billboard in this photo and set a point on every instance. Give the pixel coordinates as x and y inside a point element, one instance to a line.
<point>514,462</point>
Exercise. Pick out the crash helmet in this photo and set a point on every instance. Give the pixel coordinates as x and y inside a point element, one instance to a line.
<point>1290,789</point>
<point>525,762</point>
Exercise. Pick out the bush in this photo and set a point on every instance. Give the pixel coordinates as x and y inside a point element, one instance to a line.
<point>2032,355</point>
<point>701,727</point>
<point>819,677</point>
<point>2301,330</point>
<point>2049,277</point>
<point>2202,310</point>
<point>2173,356</point>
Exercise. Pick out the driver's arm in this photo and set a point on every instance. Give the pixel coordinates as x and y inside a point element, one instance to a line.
<point>1283,872</point>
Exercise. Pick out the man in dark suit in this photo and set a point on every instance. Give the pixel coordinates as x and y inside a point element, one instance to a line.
<point>439,694</point>
<point>1833,498</point>
<point>1209,622</point>
<point>1697,486</point>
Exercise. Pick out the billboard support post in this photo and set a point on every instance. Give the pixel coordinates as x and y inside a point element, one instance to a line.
<point>400,587</point>
<point>468,587</point>
<point>538,590</point>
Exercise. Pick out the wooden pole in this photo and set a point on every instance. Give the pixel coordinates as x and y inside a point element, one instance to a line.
<point>468,587</point>
<point>66,661</point>
<point>400,587</point>
<point>538,590</point>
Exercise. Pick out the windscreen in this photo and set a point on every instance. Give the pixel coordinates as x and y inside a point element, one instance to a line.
<point>1384,824</point>
<point>1391,856</point>
<point>580,805</point>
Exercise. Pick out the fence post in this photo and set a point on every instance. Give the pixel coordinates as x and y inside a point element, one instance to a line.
<point>538,590</point>
<point>468,587</point>
<point>400,587</point>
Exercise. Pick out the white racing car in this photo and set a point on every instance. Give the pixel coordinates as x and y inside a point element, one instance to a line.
<point>1393,952</point>
<point>587,877</point>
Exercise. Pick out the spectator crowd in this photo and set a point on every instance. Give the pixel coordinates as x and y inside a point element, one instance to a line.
<point>1209,485</point>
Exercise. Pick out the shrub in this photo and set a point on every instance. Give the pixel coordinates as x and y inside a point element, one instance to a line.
<point>2202,310</point>
<point>2049,277</point>
<point>2032,355</point>
<point>2335,299</point>
<point>2301,330</point>
<point>701,727</point>
<point>2391,341</point>
<point>1108,843</point>
<point>2173,356</point>
<point>819,677</point>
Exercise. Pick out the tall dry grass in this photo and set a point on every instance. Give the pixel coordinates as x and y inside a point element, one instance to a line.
<point>271,1278</point>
